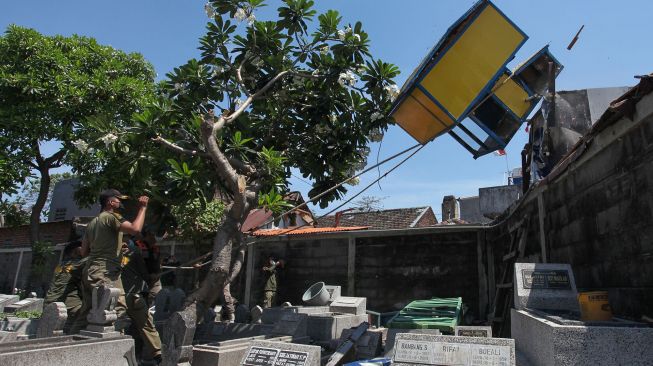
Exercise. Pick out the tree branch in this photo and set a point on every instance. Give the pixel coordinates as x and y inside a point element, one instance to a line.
<point>174,147</point>
<point>256,95</point>
<point>224,169</point>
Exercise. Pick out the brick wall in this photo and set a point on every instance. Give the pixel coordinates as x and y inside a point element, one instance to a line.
<point>54,232</point>
<point>428,219</point>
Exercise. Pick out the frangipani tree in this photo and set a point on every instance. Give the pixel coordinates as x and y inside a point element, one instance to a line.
<point>300,92</point>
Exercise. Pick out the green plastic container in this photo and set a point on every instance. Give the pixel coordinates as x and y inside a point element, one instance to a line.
<point>437,313</point>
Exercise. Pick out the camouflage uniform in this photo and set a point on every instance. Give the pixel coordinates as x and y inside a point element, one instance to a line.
<point>134,279</point>
<point>66,287</point>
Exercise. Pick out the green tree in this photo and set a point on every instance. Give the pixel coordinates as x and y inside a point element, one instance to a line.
<point>49,86</point>
<point>265,97</point>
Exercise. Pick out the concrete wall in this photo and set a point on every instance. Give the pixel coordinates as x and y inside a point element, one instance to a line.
<point>390,268</point>
<point>64,206</point>
<point>598,216</point>
<point>494,200</point>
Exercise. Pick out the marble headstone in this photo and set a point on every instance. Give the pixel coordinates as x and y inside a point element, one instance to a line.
<point>267,353</point>
<point>167,302</point>
<point>177,340</point>
<point>102,316</point>
<point>545,286</point>
<point>422,349</point>
<point>52,320</point>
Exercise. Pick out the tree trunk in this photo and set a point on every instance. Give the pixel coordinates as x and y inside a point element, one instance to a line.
<point>38,259</point>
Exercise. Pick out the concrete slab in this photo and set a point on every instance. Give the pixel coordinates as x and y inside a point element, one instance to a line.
<point>69,350</point>
<point>349,305</point>
<point>544,342</point>
<point>325,327</point>
<point>28,304</point>
<point>7,300</point>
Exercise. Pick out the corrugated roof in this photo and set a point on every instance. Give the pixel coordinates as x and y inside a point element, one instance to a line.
<point>306,230</point>
<point>398,218</point>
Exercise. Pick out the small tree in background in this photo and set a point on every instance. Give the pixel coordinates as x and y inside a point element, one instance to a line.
<point>49,87</point>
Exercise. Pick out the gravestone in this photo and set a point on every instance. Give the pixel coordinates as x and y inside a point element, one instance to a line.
<point>334,292</point>
<point>328,326</point>
<point>545,286</point>
<point>368,346</point>
<point>177,340</point>
<point>292,324</point>
<point>28,304</point>
<point>472,331</point>
<point>349,305</point>
<point>52,320</point>
<point>266,353</point>
<point>423,349</point>
<point>102,314</point>
<point>392,334</point>
<point>167,302</point>
<point>7,300</point>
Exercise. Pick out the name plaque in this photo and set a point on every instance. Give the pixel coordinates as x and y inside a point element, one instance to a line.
<point>546,279</point>
<point>262,356</point>
<point>472,333</point>
<point>451,354</point>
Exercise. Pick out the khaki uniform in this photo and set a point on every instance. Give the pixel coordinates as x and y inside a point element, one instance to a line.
<point>104,265</point>
<point>134,280</point>
<point>270,289</point>
<point>66,287</point>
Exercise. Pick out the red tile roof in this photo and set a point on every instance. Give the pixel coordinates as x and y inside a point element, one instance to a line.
<point>397,218</point>
<point>306,230</point>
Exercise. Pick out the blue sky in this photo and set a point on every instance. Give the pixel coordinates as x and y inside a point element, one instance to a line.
<point>614,46</point>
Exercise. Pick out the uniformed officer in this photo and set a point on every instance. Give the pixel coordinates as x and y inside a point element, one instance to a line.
<point>135,277</point>
<point>103,245</point>
<point>66,284</point>
<point>270,289</point>
<point>150,253</point>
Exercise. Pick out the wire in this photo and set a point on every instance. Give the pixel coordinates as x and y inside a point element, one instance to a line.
<point>360,192</point>
<point>312,199</point>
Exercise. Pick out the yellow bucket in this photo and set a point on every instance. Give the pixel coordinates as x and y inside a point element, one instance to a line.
<point>594,306</point>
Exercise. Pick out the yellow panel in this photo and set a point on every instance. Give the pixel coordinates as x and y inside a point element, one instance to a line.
<point>466,68</point>
<point>513,96</point>
<point>421,118</point>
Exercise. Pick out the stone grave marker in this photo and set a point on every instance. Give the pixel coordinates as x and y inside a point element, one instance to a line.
<point>334,292</point>
<point>292,324</point>
<point>349,305</point>
<point>545,286</point>
<point>102,314</point>
<point>28,304</point>
<point>392,334</point>
<point>52,320</point>
<point>177,340</point>
<point>167,302</point>
<point>7,300</point>
<point>423,349</point>
<point>267,353</point>
<point>472,331</point>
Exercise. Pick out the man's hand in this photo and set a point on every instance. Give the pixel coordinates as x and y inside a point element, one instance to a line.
<point>143,200</point>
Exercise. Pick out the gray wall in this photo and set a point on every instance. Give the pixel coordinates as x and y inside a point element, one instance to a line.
<point>63,199</point>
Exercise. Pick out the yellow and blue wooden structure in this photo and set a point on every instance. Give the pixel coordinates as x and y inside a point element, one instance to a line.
<point>465,76</point>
